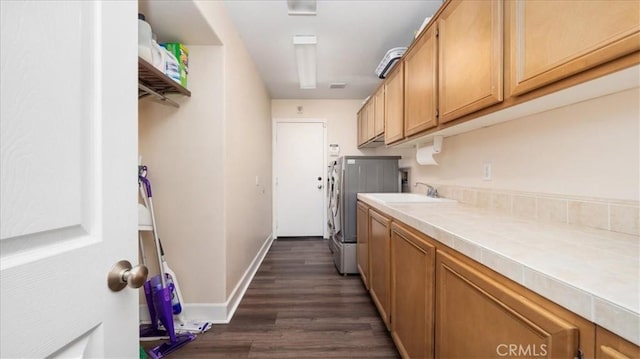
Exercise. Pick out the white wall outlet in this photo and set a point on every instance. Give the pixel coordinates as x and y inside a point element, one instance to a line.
<point>257,181</point>
<point>486,171</point>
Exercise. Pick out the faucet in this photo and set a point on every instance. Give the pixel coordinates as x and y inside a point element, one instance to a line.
<point>431,191</point>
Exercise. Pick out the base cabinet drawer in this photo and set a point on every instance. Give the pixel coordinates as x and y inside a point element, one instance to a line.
<point>478,317</point>
<point>379,268</point>
<point>611,346</point>
<point>412,288</point>
<point>362,245</point>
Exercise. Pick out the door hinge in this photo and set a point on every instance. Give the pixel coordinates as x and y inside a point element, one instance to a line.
<point>437,32</point>
<point>579,355</point>
<point>437,113</point>
<point>276,181</point>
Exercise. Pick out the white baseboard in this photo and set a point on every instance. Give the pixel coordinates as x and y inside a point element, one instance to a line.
<point>221,313</point>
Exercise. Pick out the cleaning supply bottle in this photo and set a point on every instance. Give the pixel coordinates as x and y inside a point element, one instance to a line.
<point>156,286</point>
<point>175,301</point>
<point>144,39</point>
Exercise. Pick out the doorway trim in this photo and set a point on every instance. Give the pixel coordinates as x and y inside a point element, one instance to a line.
<point>274,129</point>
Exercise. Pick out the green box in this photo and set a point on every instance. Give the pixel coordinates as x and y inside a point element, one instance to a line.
<point>182,54</point>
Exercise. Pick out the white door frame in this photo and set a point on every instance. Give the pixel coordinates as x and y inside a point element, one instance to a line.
<point>274,129</point>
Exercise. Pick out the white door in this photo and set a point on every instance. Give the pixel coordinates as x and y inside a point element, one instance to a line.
<point>300,179</point>
<point>68,131</point>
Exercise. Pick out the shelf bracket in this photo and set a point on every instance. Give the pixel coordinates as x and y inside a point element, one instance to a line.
<point>158,95</point>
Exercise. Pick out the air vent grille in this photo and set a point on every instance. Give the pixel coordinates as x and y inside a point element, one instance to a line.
<point>337,85</point>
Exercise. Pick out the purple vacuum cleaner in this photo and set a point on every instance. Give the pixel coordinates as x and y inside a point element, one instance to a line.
<point>158,292</point>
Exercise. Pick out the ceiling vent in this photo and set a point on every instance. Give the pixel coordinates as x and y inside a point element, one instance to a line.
<point>337,85</point>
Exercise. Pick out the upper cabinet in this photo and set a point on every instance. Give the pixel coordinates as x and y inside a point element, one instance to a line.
<point>470,57</point>
<point>371,120</point>
<point>394,105</point>
<point>362,126</point>
<point>552,40</point>
<point>477,58</point>
<point>371,113</point>
<point>420,85</point>
<point>378,125</point>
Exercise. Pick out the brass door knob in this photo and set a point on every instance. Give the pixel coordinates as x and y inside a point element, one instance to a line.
<point>123,274</point>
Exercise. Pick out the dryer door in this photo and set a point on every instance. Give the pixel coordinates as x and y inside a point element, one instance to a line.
<point>336,197</point>
<point>330,187</point>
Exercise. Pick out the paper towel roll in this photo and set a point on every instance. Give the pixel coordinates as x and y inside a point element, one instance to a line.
<point>424,156</point>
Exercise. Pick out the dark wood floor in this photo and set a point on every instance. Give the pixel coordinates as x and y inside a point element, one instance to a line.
<point>298,306</point>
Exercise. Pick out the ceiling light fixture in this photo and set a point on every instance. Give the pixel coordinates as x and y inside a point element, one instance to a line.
<point>301,7</point>
<point>305,47</point>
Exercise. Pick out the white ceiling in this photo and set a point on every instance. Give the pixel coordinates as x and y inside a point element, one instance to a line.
<point>352,35</point>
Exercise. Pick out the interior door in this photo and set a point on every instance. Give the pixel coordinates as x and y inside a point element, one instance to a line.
<point>68,177</point>
<point>300,171</point>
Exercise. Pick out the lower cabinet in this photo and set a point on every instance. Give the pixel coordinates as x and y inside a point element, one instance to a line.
<point>379,268</point>
<point>412,293</point>
<point>478,317</point>
<point>611,346</point>
<point>438,303</point>
<point>362,244</point>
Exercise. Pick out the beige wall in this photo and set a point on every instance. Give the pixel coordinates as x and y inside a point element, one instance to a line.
<point>204,159</point>
<point>341,116</point>
<point>586,149</point>
<point>183,149</point>
<point>247,152</point>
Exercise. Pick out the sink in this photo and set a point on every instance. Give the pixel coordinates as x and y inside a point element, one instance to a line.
<point>408,198</point>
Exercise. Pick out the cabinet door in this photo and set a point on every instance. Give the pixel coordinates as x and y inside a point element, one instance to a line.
<point>394,105</point>
<point>470,57</point>
<point>412,293</point>
<point>362,246</point>
<point>420,99</point>
<point>362,126</point>
<point>470,305</point>
<point>371,118</point>
<point>545,46</point>
<point>611,346</point>
<point>379,112</point>
<point>379,249</point>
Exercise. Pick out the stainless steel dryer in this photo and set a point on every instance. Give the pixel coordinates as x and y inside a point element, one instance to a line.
<point>348,176</point>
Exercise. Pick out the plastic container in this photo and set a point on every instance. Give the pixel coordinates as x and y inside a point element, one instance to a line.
<point>159,56</point>
<point>144,39</point>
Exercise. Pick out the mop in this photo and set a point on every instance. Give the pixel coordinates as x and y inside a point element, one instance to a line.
<point>181,323</point>
<point>158,289</point>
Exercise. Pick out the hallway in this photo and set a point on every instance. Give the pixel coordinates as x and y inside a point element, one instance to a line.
<point>298,306</point>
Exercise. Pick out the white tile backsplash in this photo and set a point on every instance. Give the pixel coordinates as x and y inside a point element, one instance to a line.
<point>608,214</point>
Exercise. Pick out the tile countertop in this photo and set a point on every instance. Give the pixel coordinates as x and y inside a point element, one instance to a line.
<point>593,273</point>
